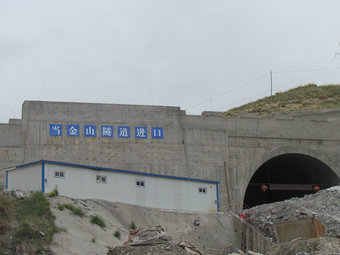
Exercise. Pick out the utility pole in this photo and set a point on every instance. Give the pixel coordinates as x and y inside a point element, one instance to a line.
<point>271,83</point>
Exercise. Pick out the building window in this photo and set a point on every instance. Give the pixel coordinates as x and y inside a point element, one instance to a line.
<point>202,190</point>
<point>101,178</point>
<point>59,174</point>
<point>140,183</point>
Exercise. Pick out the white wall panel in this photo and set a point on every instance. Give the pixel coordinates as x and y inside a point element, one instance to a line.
<point>158,192</point>
<point>26,178</point>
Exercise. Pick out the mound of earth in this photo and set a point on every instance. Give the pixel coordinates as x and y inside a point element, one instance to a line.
<point>323,205</point>
<point>309,97</point>
<point>81,237</point>
<point>166,249</point>
<point>320,246</point>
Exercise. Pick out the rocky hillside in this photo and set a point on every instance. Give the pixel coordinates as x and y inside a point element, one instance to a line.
<point>309,97</point>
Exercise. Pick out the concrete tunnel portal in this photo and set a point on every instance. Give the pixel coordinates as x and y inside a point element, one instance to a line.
<point>287,176</point>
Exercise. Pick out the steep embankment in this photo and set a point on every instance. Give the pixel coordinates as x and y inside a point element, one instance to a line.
<point>309,97</point>
<point>81,237</point>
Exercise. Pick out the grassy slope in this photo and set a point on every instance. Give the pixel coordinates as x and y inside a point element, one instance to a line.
<point>307,97</point>
<point>26,225</point>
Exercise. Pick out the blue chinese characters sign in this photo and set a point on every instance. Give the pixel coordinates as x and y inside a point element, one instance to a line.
<point>56,129</point>
<point>90,130</point>
<point>107,131</point>
<point>141,132</point>
<point>123,132</point>
<point>157,133</point>
<point>72,130</point>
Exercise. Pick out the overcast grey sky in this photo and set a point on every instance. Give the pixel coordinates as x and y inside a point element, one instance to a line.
<point>199,55</point>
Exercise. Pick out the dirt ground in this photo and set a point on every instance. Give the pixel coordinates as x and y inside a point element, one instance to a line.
<point>82,237</point>
<point>213,233</point>
<point>320,246</point>
<point>164,249</point>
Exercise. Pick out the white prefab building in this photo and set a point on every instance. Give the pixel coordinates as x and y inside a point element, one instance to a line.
<point>87,182</point>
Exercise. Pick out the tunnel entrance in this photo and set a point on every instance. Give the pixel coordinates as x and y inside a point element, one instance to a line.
<point>287,176</point>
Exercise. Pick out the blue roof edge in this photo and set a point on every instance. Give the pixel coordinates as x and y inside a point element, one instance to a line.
<point>116,170</point>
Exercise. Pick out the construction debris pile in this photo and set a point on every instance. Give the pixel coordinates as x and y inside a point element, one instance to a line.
<point>303,226</point>
<point>319,246</point>
<point>155,235</point>
<point>166,249</point>
<point>152,241</point>
<point>298,226</point>
<point>232,250</point>
<point>323,206</point>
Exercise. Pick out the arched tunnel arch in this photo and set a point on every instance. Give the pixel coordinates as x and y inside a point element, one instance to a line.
<point>287,176</point>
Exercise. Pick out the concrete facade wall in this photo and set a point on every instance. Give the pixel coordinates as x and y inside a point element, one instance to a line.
<point>11,146</point>
<point>29,178</point>
<point>209,146</point>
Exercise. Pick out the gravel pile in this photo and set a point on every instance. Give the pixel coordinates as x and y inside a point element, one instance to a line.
<point>166,249</point>
<point>319,246</point>
<point>323,205</point>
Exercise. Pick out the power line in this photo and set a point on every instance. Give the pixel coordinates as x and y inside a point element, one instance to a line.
<point>11,110</point>
<point>242,100</point>
<point>322,68</point>
<point>229,91</point>
<point>324,65</point>
<point>307,70</point>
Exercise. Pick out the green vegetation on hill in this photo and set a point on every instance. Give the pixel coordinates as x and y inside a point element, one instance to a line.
<point>26,224</point>
<point>309,97</point>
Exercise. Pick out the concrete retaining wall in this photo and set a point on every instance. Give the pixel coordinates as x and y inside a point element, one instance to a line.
<point>209,146</point>
<point>249,238</point>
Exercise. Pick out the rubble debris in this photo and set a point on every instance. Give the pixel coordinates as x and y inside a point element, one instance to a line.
<point>320,246</point>
<point>22,195</point>
<point>151,241</point>
<point>253,253</point>
<point>189,248</point>
<point>323,205</point>
<point>155,249</point>
<point>231,249</point>
<point>155,235</point>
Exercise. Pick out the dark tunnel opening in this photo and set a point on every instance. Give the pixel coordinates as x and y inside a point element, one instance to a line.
<point>287,176</point>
